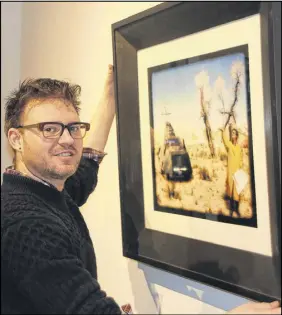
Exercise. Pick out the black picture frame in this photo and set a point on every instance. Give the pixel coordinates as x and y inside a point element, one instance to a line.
<point>251,275</point>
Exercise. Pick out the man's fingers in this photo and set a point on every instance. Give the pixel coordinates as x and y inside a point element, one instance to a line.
<point>264,305</point>
<point>275,304</point>
<point>257,308</point>
<point>275,311</point>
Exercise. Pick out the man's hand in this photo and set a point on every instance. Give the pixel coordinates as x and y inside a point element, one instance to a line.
<point>257,308</point>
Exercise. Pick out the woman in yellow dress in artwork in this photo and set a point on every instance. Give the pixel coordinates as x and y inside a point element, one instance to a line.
<point>234,163</point>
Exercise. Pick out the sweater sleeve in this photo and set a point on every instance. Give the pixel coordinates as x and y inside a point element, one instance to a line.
<point>41,259</point>
<point>81,184</point>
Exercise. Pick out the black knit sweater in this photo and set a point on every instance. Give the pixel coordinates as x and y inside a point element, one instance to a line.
<point>48,264</point>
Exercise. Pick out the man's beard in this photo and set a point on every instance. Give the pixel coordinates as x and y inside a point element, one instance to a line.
<point>53,171</point>
<point>60,173</point>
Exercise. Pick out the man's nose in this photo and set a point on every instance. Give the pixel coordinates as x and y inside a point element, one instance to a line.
<point>66,138</point>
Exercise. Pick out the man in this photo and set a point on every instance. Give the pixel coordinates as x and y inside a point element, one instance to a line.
<point>48,263</point>
<point>234,163</point>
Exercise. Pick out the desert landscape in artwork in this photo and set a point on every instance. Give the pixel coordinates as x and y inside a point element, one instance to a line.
<point>193,106</point>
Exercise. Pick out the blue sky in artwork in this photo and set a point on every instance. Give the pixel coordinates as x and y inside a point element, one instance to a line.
<point>174,91</point>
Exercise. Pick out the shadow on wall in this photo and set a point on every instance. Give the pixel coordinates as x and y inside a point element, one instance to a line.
<point>144,292</point>
<point>201,292</point>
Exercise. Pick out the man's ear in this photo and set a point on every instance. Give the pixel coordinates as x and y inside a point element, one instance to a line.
<point>15,139</point>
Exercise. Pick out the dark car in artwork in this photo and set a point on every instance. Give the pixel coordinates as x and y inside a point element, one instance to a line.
<point>174,158</point>
<point>176,165</point>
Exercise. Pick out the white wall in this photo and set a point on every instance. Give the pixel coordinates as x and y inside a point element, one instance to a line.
<point>11,19</point>
<point>73,41</point>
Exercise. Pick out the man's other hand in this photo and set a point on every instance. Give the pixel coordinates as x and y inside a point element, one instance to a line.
<point>257,308</point>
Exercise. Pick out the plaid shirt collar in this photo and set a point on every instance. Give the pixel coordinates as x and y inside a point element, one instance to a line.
<point>11,170</point>
<point>87,153</point>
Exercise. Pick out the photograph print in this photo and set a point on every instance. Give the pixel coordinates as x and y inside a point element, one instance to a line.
<point>200,115</point>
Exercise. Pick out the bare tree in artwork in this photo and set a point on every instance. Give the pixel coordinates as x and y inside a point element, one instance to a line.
<point>202,82</point>
<point>237,74</point>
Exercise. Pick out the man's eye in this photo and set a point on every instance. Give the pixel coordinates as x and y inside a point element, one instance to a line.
<point>51,129</point>
<point>75,128</point>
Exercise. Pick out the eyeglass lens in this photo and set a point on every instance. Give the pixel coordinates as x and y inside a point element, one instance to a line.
<point>52,130</point>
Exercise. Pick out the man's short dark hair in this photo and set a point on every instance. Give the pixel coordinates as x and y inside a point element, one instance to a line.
<point>37,89</point>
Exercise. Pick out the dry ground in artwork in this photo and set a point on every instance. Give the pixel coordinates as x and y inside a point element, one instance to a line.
<point>206,190</point>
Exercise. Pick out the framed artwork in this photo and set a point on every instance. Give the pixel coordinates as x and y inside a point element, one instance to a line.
<point>197,99</point>
<point>191,100</point>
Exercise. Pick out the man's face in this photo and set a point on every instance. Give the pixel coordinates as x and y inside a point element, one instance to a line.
<point>42,156</point>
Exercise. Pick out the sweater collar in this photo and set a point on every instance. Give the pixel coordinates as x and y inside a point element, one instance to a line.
<point>23,184</point>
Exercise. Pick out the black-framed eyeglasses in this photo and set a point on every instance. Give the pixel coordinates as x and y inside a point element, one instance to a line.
<point>53,130</point>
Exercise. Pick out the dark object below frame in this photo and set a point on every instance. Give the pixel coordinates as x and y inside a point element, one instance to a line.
<point>249,274</point>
